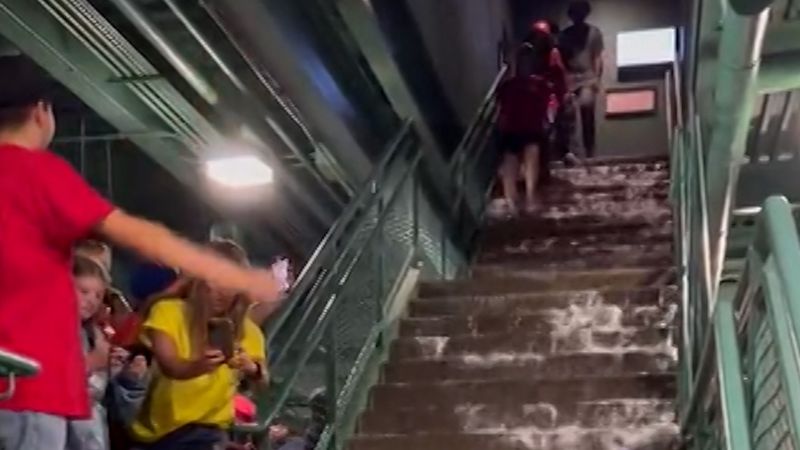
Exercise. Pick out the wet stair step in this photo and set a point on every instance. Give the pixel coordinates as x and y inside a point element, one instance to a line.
<point>636,230</point>
<point>527,343</point>
<point>615,413</point>
<point>489,281</point>
<point>521,366</point>
<point>654,437</point>
<point>512,277</point>
<point>587,257</point>
<point>562,391</point>
<point>563,239</point>
<point>530,303</point>
<point>550,250</point>
<point>646,211</point>
<point>536,322</point>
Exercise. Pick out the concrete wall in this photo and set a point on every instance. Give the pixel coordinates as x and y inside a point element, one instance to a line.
<point>462,37</point>
<point>641,135</point>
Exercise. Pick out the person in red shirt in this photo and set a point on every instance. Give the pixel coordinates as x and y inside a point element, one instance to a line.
<point>543,33</point>
<point>526,103</point>
<point>45,208</point>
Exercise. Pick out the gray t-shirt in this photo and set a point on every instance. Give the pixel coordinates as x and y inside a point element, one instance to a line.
<point>580,46</point>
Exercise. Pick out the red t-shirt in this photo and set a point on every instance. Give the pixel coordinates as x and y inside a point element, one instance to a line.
<point>523,103</point>
<point>45,207</point>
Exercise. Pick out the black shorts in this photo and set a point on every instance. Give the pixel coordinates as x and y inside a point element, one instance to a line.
<point>515,143</point>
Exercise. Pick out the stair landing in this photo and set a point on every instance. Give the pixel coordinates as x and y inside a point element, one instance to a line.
<point>561,338</point>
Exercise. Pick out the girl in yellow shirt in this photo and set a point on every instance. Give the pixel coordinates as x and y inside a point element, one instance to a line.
<point>189,404</point>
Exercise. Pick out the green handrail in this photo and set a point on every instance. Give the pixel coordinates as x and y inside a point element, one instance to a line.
<point>330,243</point>
<point>739,352</point>
<point>335,320</point>
<point>13,365</point>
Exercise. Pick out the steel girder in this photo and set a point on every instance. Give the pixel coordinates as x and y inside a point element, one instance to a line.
<point>43,38</point>
<point>97,64</point>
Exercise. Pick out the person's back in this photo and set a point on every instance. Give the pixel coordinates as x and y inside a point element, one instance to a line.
<point>581,46</point>
<point>523,103</point>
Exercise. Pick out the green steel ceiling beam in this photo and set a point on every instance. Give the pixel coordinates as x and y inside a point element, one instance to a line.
<point>779,72</point>
<point>208,92</point>
<point>782,37</point>
<point>749,7</point>
<point>40,36</point>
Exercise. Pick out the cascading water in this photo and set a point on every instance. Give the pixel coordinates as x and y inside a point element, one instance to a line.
<point>562,337</point>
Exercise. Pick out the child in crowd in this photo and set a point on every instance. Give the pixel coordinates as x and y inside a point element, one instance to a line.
<point>91,282</point>
<point>98,251</point>
<point>189,402</point>
<point>148,283</point>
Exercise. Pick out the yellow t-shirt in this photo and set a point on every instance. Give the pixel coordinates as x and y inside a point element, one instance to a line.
<point>207,399</point>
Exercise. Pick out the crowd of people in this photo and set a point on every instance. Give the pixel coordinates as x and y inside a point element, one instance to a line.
<point>169,369</point>
<point>547,104</point>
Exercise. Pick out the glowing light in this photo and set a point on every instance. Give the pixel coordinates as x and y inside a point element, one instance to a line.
<point>646,47</point>
<point>239,171</point>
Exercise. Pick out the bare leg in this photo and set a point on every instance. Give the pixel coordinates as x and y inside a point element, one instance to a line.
<point>530,170</point>
<point>509,170</point>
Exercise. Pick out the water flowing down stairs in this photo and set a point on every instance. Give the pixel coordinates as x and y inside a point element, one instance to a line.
<point>561,338</point>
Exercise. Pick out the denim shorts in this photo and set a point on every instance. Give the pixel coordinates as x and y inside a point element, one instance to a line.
<point>31,431</point>
<point>89,434</point>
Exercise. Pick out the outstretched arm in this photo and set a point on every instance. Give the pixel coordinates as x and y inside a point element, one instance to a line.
<point>70,210</point>
<point>155,242</point>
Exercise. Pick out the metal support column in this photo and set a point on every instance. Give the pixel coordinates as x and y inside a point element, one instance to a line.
<point>739,58</point>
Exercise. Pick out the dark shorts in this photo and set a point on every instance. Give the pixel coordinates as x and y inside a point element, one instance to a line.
<point>515,143</point>
<point>189,437</point>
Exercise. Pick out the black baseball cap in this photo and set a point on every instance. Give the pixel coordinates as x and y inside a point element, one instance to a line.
<point>22,83</point>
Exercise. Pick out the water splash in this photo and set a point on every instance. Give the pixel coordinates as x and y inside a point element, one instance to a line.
<point>619,424</point>
<point>496,359</point>
<point>588,325</point>
<point>649,210</point>
<point>432,347</point>
<point>574,437</point>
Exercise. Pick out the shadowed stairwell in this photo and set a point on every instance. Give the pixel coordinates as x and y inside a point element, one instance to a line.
<point>561,337</point>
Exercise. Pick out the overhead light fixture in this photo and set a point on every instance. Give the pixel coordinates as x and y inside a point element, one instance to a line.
<point>239,171</point>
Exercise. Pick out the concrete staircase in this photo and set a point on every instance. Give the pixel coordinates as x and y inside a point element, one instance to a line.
<point>560,339</point>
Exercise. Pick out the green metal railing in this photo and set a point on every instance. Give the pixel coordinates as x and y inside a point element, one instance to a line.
<point>740,341</point>
<point>334,329</point>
